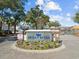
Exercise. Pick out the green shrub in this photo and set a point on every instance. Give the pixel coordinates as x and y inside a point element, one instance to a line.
<point>38,45</point>
<point>46,46</point>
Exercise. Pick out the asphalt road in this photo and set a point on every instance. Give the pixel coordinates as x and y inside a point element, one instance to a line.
<point>70,52</point>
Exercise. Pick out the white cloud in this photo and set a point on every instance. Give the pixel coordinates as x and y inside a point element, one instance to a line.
<point>39,2</point>
<point>53,6</point>
<point>59,18</point>
<point>48,5</point>
<point>68,14</point>
<point>68,19</point>
<point>76,7</point>
<point>76,4</point>
<point>55,18</point>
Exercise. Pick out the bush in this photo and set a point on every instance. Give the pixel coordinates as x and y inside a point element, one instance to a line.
<point>38,45</point>
<point>2,33</point>
<point>5,32</point>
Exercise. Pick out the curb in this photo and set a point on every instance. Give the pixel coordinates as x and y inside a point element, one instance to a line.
<point>38,51</point>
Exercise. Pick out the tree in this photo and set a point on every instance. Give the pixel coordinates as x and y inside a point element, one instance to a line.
<point>1,19</point>
<point>15,6</point>
<point>76,18</point>
<point>37,18</point>
<point>0,23</point>
<point>42,21</point>
<point>7,18</point>
<point>18,16</point>
<point>12,4</point>
<point>56,24</point>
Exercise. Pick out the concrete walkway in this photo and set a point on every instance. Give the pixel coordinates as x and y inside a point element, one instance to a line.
<point>70,52</point>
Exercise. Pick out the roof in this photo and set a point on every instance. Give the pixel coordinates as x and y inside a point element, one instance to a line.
<point>76,27</point>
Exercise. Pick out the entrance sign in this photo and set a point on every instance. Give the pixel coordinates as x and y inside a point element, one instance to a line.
<point>39,35</point>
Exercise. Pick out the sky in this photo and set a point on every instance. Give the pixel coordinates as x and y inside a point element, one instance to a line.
<point>59,10</point>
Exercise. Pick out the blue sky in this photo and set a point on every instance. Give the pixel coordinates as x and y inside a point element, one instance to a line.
<point>60,10</point>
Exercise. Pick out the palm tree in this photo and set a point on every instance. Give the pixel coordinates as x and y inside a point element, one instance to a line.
<point>14,5</point>
<point>18,17</point>
<point>76,17</point>
<point>9,22</point>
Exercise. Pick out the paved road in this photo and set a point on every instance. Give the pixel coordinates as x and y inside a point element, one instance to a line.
<point>70,52</point>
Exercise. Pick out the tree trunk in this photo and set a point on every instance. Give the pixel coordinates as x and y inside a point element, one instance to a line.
<point>36,25</point>
<point>15,28</point>
<point>1,25</point>
<point>23,34</point>
<point>8,28</point>
<point>15,22</point>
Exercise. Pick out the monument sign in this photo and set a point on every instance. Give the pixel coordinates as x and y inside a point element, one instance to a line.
<point>39,35</point>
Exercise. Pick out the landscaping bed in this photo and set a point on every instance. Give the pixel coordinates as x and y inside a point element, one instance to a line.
<point>38,45</point>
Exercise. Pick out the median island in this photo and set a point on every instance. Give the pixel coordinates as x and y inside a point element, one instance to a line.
<point>39,40</point>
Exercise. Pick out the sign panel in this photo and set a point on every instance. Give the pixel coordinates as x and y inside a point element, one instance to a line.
<point>38,36</point>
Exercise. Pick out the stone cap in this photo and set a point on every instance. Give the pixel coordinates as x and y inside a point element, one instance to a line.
<point>42,31</point>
